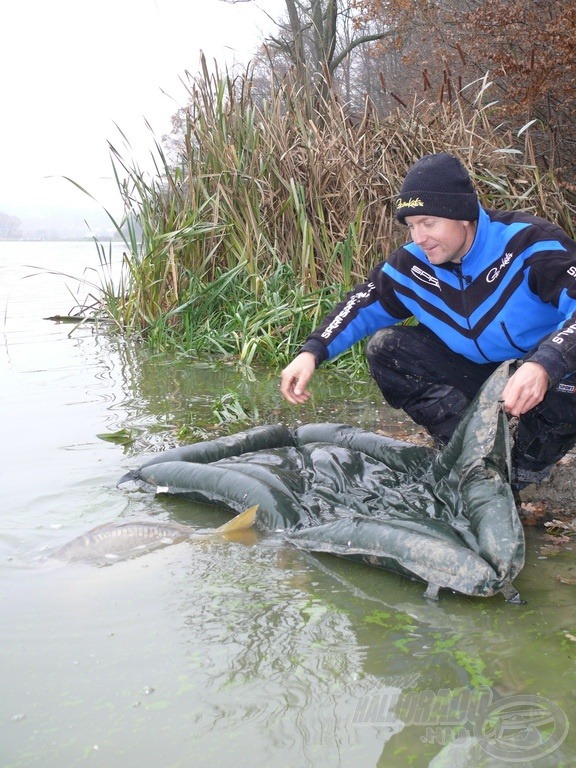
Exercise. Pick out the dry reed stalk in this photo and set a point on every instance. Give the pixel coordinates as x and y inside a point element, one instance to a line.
<point>269,182</point>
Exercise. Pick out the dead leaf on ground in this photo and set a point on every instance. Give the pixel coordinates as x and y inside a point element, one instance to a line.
<point>532,513</point>
<point>564,527</point>
<point>566,579</point>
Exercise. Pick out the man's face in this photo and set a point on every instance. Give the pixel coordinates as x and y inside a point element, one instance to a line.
<point>442,240</point>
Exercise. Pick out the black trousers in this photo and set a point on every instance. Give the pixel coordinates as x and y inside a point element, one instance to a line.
<point>417,372</point>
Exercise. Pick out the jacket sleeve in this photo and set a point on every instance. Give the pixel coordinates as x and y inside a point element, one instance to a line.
<point>365,309</point>
<point>553,279</point>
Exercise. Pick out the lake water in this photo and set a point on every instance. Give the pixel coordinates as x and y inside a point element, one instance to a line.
<point>228,653</point>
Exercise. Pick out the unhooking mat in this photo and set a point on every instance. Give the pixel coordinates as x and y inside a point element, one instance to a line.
<point>447,518</point>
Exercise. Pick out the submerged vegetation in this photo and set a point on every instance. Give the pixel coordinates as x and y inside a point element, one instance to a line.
<point>275,206</point>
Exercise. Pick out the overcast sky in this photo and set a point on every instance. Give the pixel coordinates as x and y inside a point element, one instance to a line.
<point>72,69</point>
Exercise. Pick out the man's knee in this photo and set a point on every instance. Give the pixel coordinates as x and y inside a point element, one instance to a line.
<point>385,344</point>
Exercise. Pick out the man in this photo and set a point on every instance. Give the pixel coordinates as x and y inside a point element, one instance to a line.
<point>485,286</point>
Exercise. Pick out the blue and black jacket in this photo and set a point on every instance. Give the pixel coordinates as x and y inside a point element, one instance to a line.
<point>512,296</point>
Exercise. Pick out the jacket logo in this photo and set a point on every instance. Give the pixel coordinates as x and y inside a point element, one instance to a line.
<point>559,338</point>
<point>414,202</point>
<point>425,277</point>
<point>494,273</point>
<point>341,316</point>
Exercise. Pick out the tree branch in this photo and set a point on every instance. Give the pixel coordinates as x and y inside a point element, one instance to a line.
<point>337,60</point>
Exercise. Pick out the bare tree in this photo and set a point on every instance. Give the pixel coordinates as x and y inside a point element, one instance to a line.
<point>313,38</point>
<point>317,37</point>
<point>10,227</point>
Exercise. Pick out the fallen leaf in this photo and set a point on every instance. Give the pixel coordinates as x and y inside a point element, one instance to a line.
<point>566,580</point>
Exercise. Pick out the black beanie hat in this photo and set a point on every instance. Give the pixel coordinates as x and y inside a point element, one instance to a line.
<point>437,185</point>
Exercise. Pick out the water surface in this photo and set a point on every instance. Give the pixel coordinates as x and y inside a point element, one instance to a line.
<point>230,652</point>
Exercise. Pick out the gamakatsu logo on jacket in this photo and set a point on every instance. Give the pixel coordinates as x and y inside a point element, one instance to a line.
<point>495,271</point>
<point>425,277</point>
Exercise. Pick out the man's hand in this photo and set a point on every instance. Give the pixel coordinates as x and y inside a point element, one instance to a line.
<point>295,377</point>
<point>525,388</point>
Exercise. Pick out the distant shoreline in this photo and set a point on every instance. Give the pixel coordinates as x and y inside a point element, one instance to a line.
<point>77,239</point>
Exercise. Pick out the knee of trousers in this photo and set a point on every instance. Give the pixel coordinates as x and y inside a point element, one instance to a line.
<point>385,344</point>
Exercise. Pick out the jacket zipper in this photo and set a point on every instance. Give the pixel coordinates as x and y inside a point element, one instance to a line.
<point>465,281</point>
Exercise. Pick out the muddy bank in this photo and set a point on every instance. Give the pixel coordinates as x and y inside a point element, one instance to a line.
<point>555,497</point>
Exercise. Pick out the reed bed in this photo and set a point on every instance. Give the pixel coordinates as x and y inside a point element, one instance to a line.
<point>273,209</point>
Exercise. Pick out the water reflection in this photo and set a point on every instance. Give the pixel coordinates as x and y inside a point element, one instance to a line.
<point>168,400</point>
<point>279,664</point>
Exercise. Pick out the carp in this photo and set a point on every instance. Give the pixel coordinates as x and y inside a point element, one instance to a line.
<point>111,542</point>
